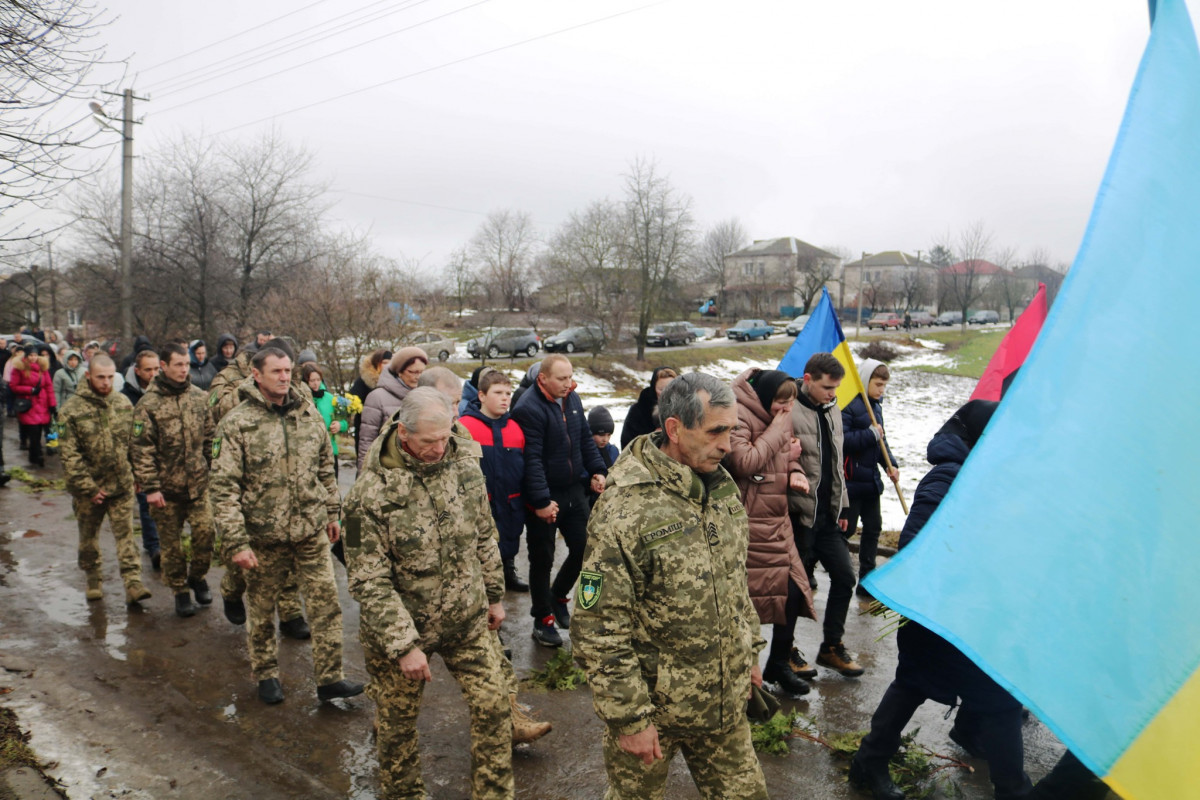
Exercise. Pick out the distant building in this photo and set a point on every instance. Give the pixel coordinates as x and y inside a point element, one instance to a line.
<point>773,274</point>
<point>1040,273</point>
<point>890,281</point>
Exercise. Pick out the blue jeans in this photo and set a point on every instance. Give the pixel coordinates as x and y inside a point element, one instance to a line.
<point>149,529</point>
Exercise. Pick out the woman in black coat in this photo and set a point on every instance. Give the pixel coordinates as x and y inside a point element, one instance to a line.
<point>643,416</point>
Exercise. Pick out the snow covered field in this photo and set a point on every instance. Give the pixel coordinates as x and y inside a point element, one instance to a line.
<point>915,406</point>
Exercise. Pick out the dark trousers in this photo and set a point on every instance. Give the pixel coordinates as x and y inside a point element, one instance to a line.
<point>867,508</point>
<point>32,435</point>
<point>1070,780</point>
<point>998,733</point>
<point>825,543</point>
<point>783,635</point>
<point>149,528</point>
<point>573,511</point>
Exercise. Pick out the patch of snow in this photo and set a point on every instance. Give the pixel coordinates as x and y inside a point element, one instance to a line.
<point>931,344</point>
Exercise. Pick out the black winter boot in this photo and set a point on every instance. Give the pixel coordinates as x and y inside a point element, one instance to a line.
<point>183,605</point>
<point>511,582</point>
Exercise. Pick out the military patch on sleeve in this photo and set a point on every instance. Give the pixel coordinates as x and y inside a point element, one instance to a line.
<point>590,584</point>
<point>353,532</point>
<point>212,399</point>
<point>138,427</point>
<point>654,536</point>
<point>216,450</point>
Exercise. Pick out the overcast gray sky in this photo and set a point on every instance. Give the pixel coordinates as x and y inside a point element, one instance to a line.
<point>870,125</point>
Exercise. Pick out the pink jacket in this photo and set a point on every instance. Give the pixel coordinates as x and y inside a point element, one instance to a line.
<point>22,385</point>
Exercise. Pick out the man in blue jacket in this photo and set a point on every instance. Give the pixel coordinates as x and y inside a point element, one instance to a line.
<point>561,461</point>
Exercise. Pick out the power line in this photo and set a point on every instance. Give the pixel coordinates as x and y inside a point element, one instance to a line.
<point>277,47</point>
<point>234,36</point>
<point>327,55</point>
<point>456,61</point>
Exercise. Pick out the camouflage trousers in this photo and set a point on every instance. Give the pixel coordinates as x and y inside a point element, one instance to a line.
<point>724,765</point>
<point>476,666</point>
<point>90,516</point>
<point>309,561</point>
<point>233,584</point>
<point>170,519</point>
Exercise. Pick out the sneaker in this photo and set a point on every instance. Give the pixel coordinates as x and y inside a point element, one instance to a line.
<point>295,628</point>
<point>561,615</point>
<point>342,688</point>
<point>835,657</point>
<point>235,610</point>
<point>135,592</point>
<point>525,728</point>
<point>877,782</point>
<point>545,634</point>
<point>800,665</point>
<point>199,586</point>
<point>183,605</point>
<point>270,692</point>
<point>780,674</point>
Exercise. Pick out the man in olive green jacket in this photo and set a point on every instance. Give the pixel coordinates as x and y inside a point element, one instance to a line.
<point>96,425</point>
<point>276,505</point>
<point>664,624</point>
<point>424,565</point>
<point>171,450</point>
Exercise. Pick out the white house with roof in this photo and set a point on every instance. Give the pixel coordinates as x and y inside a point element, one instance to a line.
<point>771,274</point>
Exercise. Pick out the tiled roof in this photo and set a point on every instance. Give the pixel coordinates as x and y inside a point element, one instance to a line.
<point>784,246</point>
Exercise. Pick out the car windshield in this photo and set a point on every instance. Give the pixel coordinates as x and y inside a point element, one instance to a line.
<point>745,323</point>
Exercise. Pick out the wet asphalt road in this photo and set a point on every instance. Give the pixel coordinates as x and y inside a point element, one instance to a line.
<point>138,703</point>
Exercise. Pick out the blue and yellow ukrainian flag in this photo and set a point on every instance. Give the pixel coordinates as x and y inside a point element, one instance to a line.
<point>1066,558</point>
<point>823,334</point>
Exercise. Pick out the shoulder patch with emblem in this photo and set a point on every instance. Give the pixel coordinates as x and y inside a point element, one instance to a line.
<point>216,447</point>
<point>213,399</point>
<point>138,427</point>
<point>590,584</point>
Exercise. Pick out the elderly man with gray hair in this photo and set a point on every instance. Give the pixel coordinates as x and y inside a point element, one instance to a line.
<point>424,565</point>
<point>664,624</point>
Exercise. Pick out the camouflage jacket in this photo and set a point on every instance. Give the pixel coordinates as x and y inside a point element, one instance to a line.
<point>172,440</point>
<point>663,621</point>
<point>95,442</point>
<point>421,550</point>
<point>223,391</point>
<point>272,477</point>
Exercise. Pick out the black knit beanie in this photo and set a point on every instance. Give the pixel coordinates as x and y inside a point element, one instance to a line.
<point>766,385</point>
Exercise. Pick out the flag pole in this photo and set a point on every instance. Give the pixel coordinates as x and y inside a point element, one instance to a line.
<point>883,446</point>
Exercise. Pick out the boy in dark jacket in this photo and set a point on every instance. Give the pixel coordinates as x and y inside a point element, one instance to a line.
<point>503,443</point>
<point>862,450</point>
<point>602,425</point>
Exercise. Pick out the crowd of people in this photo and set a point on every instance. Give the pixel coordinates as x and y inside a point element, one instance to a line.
<point>705,526</point>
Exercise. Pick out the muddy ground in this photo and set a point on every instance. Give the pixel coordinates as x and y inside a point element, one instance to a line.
<point>138,703</point>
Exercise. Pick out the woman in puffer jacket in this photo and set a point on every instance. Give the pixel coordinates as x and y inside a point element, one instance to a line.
<point>31,380</point>
<point>764,460</point>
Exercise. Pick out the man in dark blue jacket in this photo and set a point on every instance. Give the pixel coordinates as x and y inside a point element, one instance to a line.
<point>862,447</point>
<point>561,461</point>
<point>930,668</point>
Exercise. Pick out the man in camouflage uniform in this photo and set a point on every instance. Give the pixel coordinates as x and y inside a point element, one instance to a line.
<point>171,448</point>
<point>96,425</point>
<point>276,505</point>
<point>222,398</point>
<point>424,565</point>
<point>664,625</point>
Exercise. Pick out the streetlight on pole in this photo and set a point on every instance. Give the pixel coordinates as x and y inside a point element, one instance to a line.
<point>127,123</point>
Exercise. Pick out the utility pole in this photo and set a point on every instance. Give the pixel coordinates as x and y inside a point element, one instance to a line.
<point>127,123</point>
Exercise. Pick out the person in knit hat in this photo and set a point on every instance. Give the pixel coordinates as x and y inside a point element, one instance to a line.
<point>600,421</point>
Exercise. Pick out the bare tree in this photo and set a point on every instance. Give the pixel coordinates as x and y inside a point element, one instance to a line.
<point>459,280</point>
<point>503,250</point>
<point>723,238</point>
<point>963,282</point>
<point>589,255</point>
<point>913,289</point>
<point>810,276</point>
<point>48,58</point>
<point>661,235</point>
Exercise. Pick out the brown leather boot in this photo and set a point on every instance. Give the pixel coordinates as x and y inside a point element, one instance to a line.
<point>835,656</point>
<point>135,592</point>
<point>94,590</point>
<point>525,728</point>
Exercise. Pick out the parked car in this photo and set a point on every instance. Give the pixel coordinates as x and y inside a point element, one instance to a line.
<point>435,345</point>
<point>582,337</point>
<point>669,333</point>
<point>795,326</point>
<point>920,319</point>
<point>983,318</point>
<point>699,332</point>
<point>747,329</point>
<point>885,320</point>
<point>507,341</point>
<point>949,318</point>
